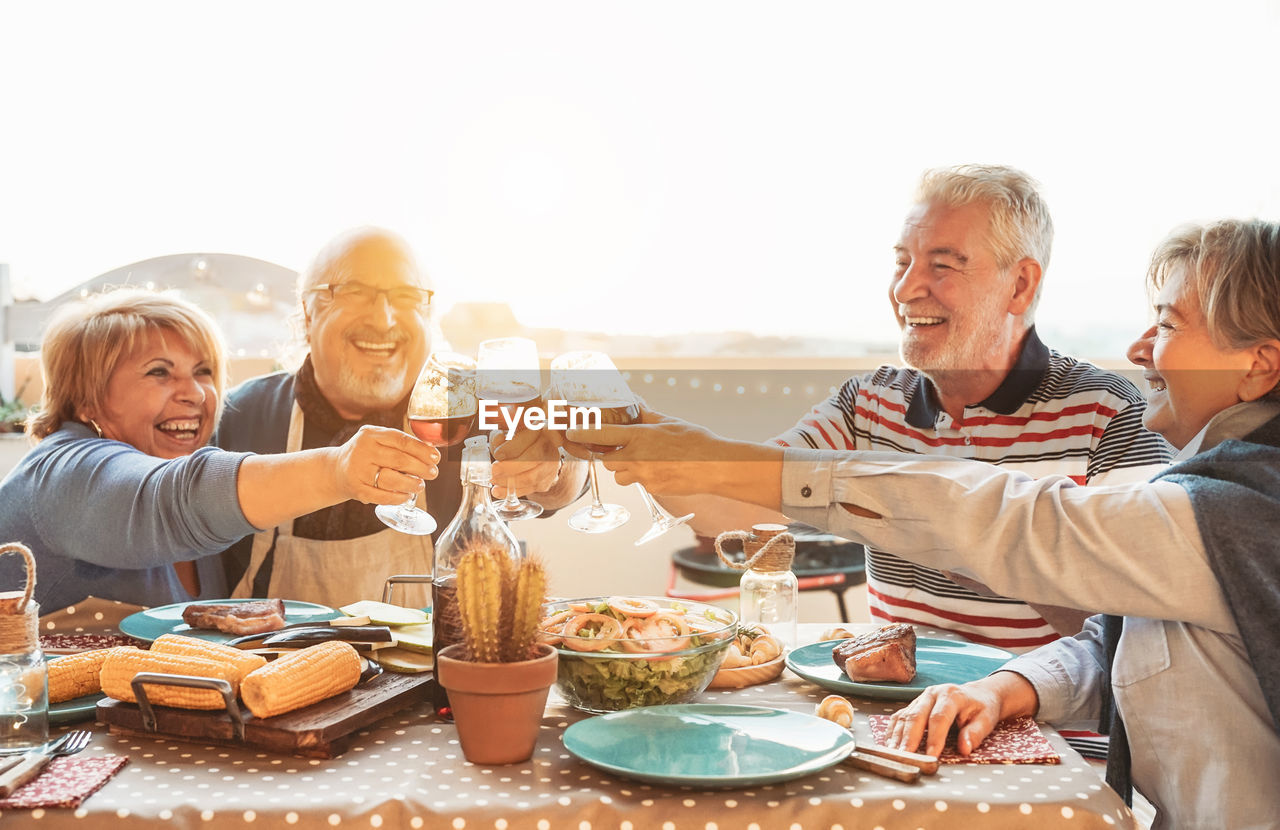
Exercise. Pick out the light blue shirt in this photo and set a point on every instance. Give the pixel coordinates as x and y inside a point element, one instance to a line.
<point>1205,750</point>
<point>105,519</point>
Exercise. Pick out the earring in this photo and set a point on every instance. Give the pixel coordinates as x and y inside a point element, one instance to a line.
<point>95,426</point>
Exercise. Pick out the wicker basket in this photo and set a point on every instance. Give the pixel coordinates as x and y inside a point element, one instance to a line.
<point>743,676</point>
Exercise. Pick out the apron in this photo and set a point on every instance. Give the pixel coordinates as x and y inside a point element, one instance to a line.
<point>334,573</point>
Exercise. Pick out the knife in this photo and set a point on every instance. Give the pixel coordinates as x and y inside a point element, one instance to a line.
<point>883,766</point>
<point>12,761</point>
<point>927,764</point>
<point>892,763</point>
<point>29,765</point>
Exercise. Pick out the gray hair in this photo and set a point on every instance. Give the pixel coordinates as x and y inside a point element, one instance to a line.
<point>1233,266</point>
<point>1020,222</point>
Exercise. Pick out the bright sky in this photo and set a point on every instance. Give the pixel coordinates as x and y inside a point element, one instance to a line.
<point>653,167</point>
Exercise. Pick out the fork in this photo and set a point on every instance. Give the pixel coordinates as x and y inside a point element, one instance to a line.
<point>32,763</point>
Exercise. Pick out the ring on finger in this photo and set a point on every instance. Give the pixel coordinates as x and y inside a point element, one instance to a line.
<point>376,475</point>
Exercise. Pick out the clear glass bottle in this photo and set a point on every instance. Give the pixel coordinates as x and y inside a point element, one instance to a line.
<point>476,522</point>
<point>770,594</point>
<point>24,701</point>
<point>24,680</point>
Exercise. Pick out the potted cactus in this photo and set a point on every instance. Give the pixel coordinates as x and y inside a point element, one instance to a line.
<point>498,677</point>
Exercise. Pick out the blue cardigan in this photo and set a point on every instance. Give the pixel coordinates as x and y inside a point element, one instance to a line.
<point>1235,491</point>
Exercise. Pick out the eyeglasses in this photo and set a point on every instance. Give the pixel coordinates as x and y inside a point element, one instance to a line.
<point>360,294</point>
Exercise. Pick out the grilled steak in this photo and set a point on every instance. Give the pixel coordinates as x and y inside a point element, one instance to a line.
<point>238,618</point>
<point>888,653</point>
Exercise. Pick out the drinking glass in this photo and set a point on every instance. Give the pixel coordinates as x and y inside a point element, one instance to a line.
<point>589,380</point>
<point>442,412</point>
<point>662,520</point>
<point>507,372</point>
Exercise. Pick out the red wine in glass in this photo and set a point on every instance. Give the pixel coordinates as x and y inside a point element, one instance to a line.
<point>442,411</point>
<point>611,412</point>
<point>512,399</point>
<point>443,432</point>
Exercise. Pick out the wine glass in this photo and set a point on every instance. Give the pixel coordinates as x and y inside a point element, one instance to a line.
<point>442,412</point>
<point>588,381</point>
<point>507,372</point>
<point>662,519</point>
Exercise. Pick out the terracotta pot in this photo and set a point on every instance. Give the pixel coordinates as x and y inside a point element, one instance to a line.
<point>497,707</point>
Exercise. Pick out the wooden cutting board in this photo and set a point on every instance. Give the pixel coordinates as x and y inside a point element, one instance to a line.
<point>322,730</point>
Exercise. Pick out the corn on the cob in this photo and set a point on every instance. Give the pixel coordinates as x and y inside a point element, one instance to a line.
<point>301,679</point>
<point>124,662</point>
<point>76,675</point>
<point>243,661</point>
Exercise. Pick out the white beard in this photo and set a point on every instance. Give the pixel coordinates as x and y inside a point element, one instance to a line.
<point>955,356</point>
<point>377,389</point>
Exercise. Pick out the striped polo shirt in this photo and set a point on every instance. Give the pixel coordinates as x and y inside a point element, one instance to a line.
<point>1052,415</point>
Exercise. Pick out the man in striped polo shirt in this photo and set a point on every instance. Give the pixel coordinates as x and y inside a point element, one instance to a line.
<point>980,384</point>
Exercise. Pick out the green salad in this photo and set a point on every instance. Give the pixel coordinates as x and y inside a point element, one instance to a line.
<point>623,652</point>
<point>610,682</point>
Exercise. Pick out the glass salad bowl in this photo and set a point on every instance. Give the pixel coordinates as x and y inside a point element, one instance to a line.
<point>622,652</point>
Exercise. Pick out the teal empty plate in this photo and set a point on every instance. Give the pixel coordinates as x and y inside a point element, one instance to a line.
<point>167,619</point>
<point>937,661</point>
<point>75,710</point>
<point>709,745</point>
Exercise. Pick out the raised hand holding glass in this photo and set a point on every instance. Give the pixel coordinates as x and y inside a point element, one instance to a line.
<point>589,379</point>
<point>508,373</point>
<point>442,412</point>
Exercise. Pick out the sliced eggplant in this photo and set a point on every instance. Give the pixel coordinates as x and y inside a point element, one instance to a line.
<point>371,670</point>
<point>353,634</point>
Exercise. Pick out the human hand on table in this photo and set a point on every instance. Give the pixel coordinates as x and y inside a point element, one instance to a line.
<point>975,708</point>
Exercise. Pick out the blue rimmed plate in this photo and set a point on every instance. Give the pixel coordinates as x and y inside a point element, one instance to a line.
<point>709,745</point>
<point>937,661</point>
<point>167,619</point>
<point>74,710</point>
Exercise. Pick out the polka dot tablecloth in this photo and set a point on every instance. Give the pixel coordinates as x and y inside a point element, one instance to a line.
<point>409,772</point>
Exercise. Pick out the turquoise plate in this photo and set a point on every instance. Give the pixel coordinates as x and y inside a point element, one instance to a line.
<point>937,661</point>
<point>709,745</point>
<point>75,710</point>
<point>167,619</point>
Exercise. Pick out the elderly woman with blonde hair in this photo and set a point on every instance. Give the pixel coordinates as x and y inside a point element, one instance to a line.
<point>120,495</point>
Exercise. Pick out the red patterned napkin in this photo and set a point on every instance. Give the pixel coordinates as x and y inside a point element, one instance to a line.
<point>65,782</point>
<point>1014,741</point>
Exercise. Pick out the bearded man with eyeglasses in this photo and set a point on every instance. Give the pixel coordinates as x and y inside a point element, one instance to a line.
<point>364,308</point>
